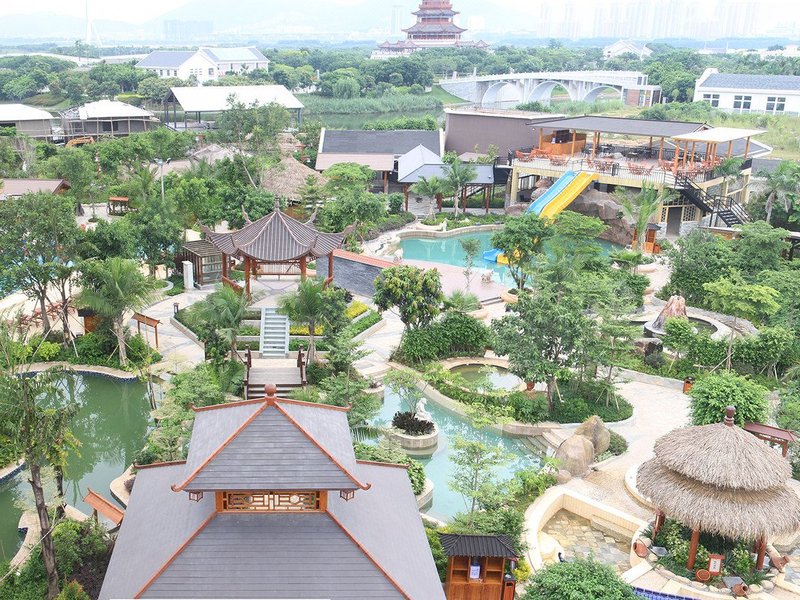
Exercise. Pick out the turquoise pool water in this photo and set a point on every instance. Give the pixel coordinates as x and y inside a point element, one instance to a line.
<point>448,251</point>
<point>438,467</point>
<point>111,425</point>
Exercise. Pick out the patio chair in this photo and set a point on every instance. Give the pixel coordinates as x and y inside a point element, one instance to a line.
<point>486,276</point>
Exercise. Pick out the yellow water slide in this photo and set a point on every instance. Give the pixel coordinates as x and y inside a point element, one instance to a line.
<point>572,191</point>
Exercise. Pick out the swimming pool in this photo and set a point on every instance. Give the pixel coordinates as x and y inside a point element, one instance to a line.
<point>439,468</point>
<point>449,252</point>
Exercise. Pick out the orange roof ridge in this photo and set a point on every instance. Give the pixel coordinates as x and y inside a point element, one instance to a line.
<point>159,464</point>
<point>213,455</point>
<point>369,556</point>
<point>381,464</point>
<point>352,477</point>
<point>314,404</point>
<point>175,555</point>
<point>104,506</point>
<point>228,404</point>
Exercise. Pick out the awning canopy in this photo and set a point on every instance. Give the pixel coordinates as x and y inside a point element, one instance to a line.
<point>215,98</point>
<point>622,126</point>
<point>718,135</point>
<point>376,162</point>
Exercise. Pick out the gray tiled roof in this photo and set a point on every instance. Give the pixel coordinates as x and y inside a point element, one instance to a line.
<point>276,237</point>
<point>156,523</point>
<point>379,142</point>
<point>241,54</point>
<point>622,125</point>
<point>743,82</point>
<point>168,59</point>
<point>456,544</point>
<point>271,453</point>
<point>272,556</point>
<point>415,159</point>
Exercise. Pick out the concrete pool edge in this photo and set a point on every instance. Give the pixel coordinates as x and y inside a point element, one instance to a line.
<point>97,370</point>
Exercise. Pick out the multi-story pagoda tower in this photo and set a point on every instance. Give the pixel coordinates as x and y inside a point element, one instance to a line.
<point>434,26</point>
<point>434,29</point>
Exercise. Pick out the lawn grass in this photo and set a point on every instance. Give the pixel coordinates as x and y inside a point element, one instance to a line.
<point>445,97</point>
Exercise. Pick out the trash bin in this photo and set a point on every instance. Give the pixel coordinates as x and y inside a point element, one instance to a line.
<point>687,384</point>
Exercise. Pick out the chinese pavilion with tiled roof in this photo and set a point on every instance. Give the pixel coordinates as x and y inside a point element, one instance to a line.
<point>272,503</point>
<point>274,239</point>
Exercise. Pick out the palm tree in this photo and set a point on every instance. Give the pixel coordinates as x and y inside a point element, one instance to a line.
<point>779,184</point>
<point>641,207</point>
<point>112,287</point>
<point>729,169</point>
<point>143,179</point>
<point>459,175</point>
<point>35,421</point>
<point>305,305</point>
<point>432,187</point>
<point>224,311</point>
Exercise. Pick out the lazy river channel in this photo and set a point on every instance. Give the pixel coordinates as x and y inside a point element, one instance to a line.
<point>439,468</point>
<point>449,252</point>
<point>111,425</point>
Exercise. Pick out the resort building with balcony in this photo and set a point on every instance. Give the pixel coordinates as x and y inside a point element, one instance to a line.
<point>272,503</point>
<point>613,152</point>
<point>749,93</point>
<point>205,64</point>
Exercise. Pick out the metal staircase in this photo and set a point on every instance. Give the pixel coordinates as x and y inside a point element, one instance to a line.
<point>721,208</point>
<point>274,340</point>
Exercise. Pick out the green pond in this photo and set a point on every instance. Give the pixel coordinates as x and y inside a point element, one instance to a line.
<point>111,425</point>
<point>449,252</point>
<point>439,468</point>
<point>498,377</point>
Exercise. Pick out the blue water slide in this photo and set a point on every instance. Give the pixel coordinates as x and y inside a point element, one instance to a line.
<point>491,255</point>
<point>537,206</point>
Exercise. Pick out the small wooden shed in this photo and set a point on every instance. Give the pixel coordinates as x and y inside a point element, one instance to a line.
<point>206,260</point>
<point>476,569</point>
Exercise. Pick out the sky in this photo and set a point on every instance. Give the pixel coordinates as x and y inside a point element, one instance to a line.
<point>553,18</point>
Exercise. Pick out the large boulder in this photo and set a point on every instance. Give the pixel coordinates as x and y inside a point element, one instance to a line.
<point>575,454</point>
<point>605,207</point>
<point>596,432</point>
<point>647,347</point>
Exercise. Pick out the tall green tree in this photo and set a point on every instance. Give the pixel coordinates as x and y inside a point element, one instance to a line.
<point>731,295</point>
<point>35,421</point>
<point>159,231</point>
<point>432,187</point>
<point>38,244</point>
<point>641,207</point>
<point>222,312</point>
<point>475,464</point>
<point>459,175</point>
<point>111,288</point>
<point>308,305</point>
<point>344,178</point>
<point>779,185</point>
<point>759,247</point>
<point>521,240</point>
<point>471,248</point>
<point>415,293</point>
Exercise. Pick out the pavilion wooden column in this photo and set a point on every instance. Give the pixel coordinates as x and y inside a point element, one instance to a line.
<point>486,198</point>
<point>691,158</point>
<point>247,275</point>
<point>761,550</point>
<point>405,194</point>
<point>330,265</point>
<point>747,148</point>
<point>660,148</point>
<point>541,138</point>
<point>693,549</point>
<point>386,182</point>
<point>677,155</point>
<point>730,149</point>
<point>572,148</point>
<point>660,518</point>
<point>225,265</point>
<point>303,268</point>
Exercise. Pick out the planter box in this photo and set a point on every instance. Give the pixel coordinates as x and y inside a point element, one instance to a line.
<point>509,298</point>
<point>416,443</point>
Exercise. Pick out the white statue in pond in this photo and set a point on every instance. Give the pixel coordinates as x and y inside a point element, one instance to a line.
<point>398,256</point>
<point>421,414</point>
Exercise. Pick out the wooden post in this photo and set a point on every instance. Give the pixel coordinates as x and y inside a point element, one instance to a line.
<point>302,268</point>
<point>247,275</point>
<point>597,144</point>
<point>730,149</point>
<point>693,549</point>
<point>746,147</point>
<point>761,550</point>
<point>541,138</point>
<point>660,149</point>
<point>660,518</point>
<point>572,149</point>
<point>225,265</point>
<point>405,193</point>
<point>155,328</point>
<point>486,197</point>
<point>330,265</point>
<point>386,182</point>
<point>691,159</point>
<point>677,154</point>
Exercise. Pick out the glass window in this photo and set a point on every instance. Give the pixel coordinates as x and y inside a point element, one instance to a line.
<point>712,99</point>
<point>776,104</point>
<point>211,71</point>
<point>742,102</point>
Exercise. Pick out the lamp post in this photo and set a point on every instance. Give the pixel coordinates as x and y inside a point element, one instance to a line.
<point>161,162</point>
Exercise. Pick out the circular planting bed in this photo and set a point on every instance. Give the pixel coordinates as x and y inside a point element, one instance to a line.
<point>416,443</point>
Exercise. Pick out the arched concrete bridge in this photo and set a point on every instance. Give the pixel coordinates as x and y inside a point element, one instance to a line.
<point>518,88</point>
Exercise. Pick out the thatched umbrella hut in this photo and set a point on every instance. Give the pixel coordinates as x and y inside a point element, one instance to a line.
<point>287,178</point>
<point>723,480</point>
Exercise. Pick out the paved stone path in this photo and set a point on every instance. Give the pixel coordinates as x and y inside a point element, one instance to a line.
<point>580,539</point>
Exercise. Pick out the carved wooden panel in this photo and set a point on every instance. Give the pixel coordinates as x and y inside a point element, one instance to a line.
<point>270,501</point>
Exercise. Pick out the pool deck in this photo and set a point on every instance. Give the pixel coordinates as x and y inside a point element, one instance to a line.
<point>453,279</point>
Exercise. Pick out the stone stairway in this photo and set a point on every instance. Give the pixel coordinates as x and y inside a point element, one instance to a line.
<point>274,339</point>
<point>284,373</point>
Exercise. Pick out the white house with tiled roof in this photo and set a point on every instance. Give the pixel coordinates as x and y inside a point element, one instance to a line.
<point>746,93</point>
<point>205,64</point>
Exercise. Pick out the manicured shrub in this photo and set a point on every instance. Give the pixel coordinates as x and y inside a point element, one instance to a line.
<point>529,408</point>
<point>410,424</point>
<point>712,394</point>
<point>389,452</point>
<point>47,351</point>
<point>454,334</point>
<point>579,579</point>
<point>439,557</point>
<point>618,444</point>
<point>198,387</point>
<point>316,372</point>
<point>355,309</point>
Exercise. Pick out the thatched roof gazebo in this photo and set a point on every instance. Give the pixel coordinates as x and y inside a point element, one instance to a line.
<point>287,178</point>
<point>274,239</point>
<point>723,480</point>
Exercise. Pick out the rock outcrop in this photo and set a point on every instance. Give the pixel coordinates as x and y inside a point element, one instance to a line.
<point>575,454</point>
<point>596,432</point>
<point>605,207</point>
<point>675,308</point>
